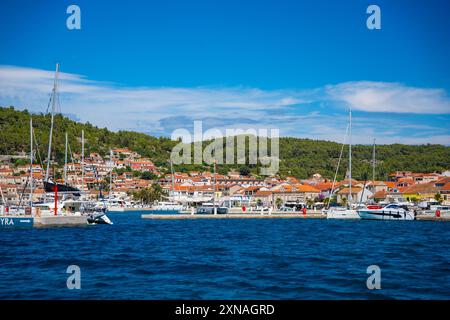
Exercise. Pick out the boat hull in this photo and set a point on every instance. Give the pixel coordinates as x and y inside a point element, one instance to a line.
<point>342,214</point>
<point>385,215</point>
<point>116,209</point>
<point>99,219</point>
<point>50,187</point>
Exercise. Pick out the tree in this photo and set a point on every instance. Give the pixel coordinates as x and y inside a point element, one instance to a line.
<point>298,157</point>
<point>147,175</point>
<point>438,197</point>
<point>244,171</point>
<point>148,195</point>
<point>344,201</point>
<point>278,202</point>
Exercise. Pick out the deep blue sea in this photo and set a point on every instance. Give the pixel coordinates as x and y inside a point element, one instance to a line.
<point>228,259</point>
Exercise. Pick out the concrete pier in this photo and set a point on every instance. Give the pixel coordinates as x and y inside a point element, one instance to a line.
<point>232,216</point>
<point>50,221</point>
<point>433,218</point>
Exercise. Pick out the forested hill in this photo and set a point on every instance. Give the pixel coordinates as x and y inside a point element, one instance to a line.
<point>298,157</point>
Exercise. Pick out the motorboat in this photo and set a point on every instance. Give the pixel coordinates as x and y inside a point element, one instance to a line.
<point>168,206</point>
<point>390,212</point>
<point>210,208</point>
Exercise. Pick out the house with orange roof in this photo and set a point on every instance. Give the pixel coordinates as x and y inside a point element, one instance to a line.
<point>425,177</point>
<point>445,193</point>
<point>264,197</point>
<point>358,194</point>
<point>395,176</point>
<point>299,193</point>
<point>421,191</point>
<point>381,195</point>
<point>375,186</point>
<point>10,193</point>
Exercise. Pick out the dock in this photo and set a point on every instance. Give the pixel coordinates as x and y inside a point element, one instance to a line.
<point>232,216</point>
<point>55,221</point>
<point>28,221</point>
<point>275,215</point>
<point>433,218</point>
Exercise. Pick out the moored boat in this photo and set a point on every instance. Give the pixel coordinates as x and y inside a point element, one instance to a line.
<point>168,207</point>
<point>209,208</point>
<point>342,213</point>
<point>389,212</point>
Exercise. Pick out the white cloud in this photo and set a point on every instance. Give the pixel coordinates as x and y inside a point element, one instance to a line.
<point>318,113</point>
<point>390,97</point>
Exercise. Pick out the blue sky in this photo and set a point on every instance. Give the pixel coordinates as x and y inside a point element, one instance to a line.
<point>155,66</point>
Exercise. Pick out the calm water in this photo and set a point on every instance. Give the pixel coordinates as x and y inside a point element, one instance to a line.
<point>228,259</point>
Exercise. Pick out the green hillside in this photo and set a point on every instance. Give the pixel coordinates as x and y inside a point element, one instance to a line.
<point>298,157</point>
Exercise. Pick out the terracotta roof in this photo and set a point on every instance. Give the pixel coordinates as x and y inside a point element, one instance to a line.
<point>323,185</point>
<point>421,188</point>
<point>390,184</point>
<point>346,190</point>
<point>377,183</point>
<point>380,194</point>
<point>306,188</point>
<point>260,193</point>
<point>446,187</point>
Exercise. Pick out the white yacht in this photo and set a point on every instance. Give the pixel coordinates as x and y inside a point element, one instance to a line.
<point>342,213</point>
<point>210,208</point>
<point>390,212</point>
<point>116,205</point>
<point>167,206</point>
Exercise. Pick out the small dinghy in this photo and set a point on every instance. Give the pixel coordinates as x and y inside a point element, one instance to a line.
<point>98,218</point>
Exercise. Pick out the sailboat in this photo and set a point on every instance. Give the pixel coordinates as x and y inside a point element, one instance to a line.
<point>346,212</point>
<point>50,185</point>
<point>393,211</point>
<point>21,217</point>
<point>95,214</point>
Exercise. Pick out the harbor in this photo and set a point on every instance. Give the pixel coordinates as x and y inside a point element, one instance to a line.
<point>28,221</point>
<point>274,215</point>
<point>226,259</point>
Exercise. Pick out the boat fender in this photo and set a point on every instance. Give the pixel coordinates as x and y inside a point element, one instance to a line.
<point>438,213</point>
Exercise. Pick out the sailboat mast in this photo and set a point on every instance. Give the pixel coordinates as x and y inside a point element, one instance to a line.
<point>54,93</point>
<point>215,181</point>
<point>82,160</point>
<point>350,158</point>
<point>31,164</point>
<point>65,161</point>
<point>172,174</point>
<point>110,172</point>
<point>373,162</point>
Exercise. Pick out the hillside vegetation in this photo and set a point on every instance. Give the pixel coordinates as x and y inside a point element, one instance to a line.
<point>298,157</point>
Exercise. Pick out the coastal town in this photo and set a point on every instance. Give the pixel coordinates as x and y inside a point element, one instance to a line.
<point>124,174</point>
